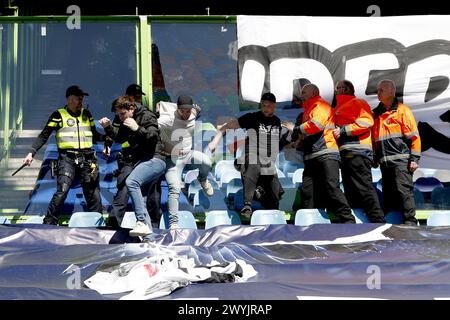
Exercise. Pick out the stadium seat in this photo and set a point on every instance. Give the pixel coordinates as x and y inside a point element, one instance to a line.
<point>290,200</point>
<point>190,176</point>
<point>203,203</point>
<point>286,182</point>
<point>419,199</point>
<point>220,166</point>
<point>427,184</point>
<point>86,219</point>
<point>186,220</point>
<point>280,160</point>
<point>35,220</point>
<point>439,218</point>
<point>263,217</point>
<point>4,220</point>
<point>280,173</point>
<point>360,216</point>
<point>297,177</point>
<point>221,217</point>
<point>307,217</point>
<point>233,186</point>
<point>440,198</point>
<point>227,176</point>
<point>238,201</point>
<point>195,186</point>
<point>129,220</point>
<point>394,217</point>
<point>290,167</point>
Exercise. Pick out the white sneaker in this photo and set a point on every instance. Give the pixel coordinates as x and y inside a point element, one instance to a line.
<point>207,187</point>
<point>140,230</point>
<point>173,226</point>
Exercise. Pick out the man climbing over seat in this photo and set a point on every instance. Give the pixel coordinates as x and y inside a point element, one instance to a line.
<point>177,124</point>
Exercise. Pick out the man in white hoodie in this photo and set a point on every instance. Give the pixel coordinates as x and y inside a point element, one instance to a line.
<point>177,130</point>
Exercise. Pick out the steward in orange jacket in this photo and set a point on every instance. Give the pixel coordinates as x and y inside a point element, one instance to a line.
<point>397,150</point>
<point>320,187</point>
<point>317,127</point>
<point>353,120</point>
<point>396,136</point>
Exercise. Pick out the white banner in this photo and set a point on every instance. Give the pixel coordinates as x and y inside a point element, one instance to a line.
<point>414,51</point>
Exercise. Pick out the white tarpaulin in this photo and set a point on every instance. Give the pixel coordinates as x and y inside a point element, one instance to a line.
<point>414,51</point>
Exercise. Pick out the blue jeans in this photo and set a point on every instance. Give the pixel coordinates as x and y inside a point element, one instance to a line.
<point>146,172</point>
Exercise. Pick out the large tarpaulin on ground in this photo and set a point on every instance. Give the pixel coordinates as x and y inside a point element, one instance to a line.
<point>414,51</point>
<point>345,261</point>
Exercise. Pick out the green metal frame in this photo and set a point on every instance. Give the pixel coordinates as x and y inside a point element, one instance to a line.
<point>18,88</point>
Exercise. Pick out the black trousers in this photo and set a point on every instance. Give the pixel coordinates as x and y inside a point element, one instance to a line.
<point>120,201</point>
<point>69,167</point>
<point>358,186</point>
<point>320,188</point>
<point>252,178</point>
<point>398,191</point>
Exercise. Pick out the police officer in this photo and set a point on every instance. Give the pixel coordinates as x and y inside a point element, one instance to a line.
<point>75,136</point>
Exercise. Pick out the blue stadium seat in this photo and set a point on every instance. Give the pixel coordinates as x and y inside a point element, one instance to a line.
<point>233,186</point>
<point>281,160</point>
<point>419,199</point>
<point>440,198</point>
<point>263,217</point>
<point>360,216</point>
<point>86,219</point>
<point>427,184</point>
<point>286,182</point>
<point>186,220</point>
<point>221,217</point>
<point>195,186</point>
<point>290,197</point>
<point>129,220</point>
<point>203,203</point>
<point>290,167</point>
<point>439,218</point>
<point>394,217</point>
<point>35,220</point>
<point>238,201</point>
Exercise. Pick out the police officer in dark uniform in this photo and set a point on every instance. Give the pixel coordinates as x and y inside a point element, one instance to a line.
<point>75,136</point>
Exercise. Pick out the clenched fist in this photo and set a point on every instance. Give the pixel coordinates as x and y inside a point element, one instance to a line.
<point>104,122</point>
<point>131,124</point>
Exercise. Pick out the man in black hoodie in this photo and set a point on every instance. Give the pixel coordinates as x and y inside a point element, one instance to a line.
<point>140,128</point>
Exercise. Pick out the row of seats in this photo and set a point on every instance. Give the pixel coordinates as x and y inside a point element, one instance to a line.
<point>303,217</point>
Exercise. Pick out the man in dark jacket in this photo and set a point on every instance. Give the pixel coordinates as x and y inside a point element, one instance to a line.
<point>75,136</point>
<point>140,128</point>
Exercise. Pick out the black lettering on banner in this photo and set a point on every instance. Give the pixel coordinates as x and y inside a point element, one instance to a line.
<point>335,63</point>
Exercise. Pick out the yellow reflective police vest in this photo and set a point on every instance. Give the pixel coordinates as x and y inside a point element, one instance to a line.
<point>75,132</point>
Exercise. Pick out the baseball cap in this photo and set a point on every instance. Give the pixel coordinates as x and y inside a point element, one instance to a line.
<point>134,89</point>
<point>185,102</point>
<point>269,97</point>
<point>75,91</point>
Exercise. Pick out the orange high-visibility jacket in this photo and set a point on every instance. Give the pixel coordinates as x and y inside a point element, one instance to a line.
<point>354,117</point>
<point>317,126</point>
<point>395,135</point>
